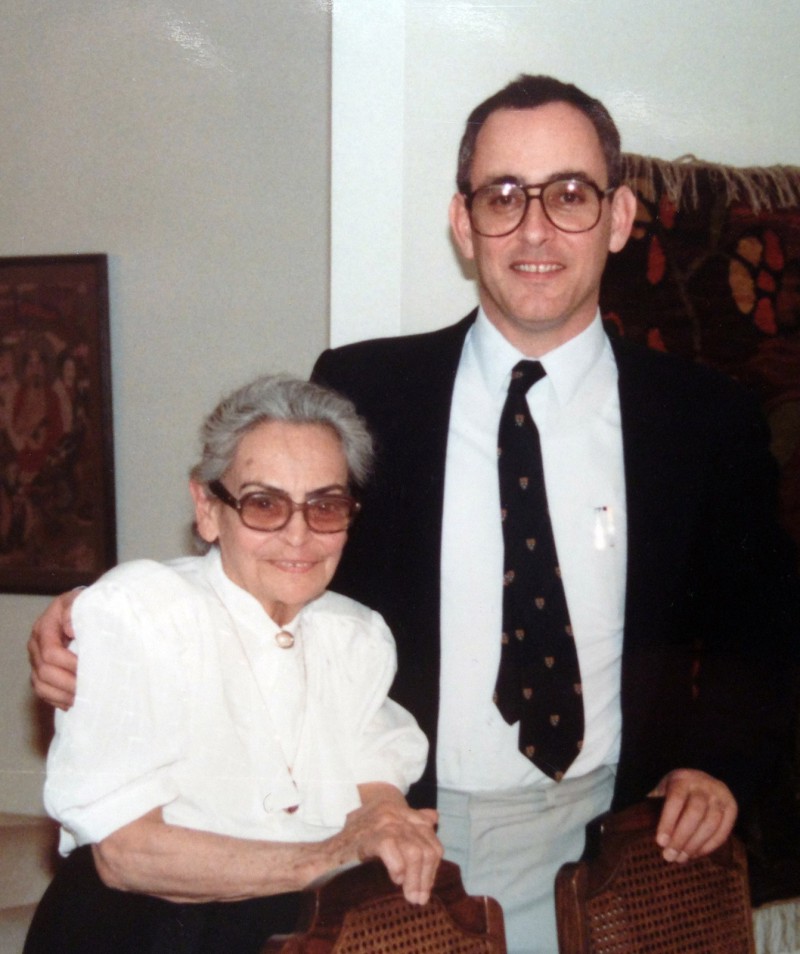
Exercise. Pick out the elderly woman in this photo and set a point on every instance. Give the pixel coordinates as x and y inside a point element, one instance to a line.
<point>231,738</point>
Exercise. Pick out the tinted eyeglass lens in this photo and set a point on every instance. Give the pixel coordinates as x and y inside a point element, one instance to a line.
<point>570,204</point>
<point>262,511</point>
<point>328,514</point>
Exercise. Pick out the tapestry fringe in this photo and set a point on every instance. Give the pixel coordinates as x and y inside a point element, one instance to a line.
<point>761,187</point>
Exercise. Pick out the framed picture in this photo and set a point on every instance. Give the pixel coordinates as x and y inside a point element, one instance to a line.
<point>57,514</point>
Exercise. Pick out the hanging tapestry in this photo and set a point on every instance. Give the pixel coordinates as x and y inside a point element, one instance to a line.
<point>712,272</point>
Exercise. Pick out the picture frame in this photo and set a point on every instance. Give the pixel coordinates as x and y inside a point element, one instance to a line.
<point>57,502</point>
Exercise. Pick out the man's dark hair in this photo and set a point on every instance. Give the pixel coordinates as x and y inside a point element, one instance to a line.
<point>529,92</point>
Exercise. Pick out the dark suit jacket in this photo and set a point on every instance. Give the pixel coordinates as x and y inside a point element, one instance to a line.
<point>712,603</point>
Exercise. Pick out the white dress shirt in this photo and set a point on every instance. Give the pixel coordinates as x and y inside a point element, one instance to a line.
<point>186,702</point>
<point>576,410</point>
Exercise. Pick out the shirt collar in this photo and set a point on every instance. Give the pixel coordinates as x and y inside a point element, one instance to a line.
<point>243,605</point>
<point>567,365</point>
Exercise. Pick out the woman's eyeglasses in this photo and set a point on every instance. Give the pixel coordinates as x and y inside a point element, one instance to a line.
<point>270,510</point>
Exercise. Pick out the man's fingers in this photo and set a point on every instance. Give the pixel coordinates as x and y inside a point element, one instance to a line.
<point>53,664</point>
<point>53,675</point>
<point>54,686</point>
<point>52,656</point>
<point>698,815</point>
<point>702,828</point>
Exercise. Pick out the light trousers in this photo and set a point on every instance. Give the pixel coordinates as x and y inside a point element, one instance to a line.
<point>510,845</point>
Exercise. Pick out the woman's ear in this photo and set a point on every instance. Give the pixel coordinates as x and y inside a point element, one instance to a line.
<point>205,511</point>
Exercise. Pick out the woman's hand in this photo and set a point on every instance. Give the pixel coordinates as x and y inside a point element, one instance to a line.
<point>403,838</point>
<point>53,665</point>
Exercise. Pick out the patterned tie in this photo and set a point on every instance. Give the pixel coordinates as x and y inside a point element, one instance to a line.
<point>539,682</point>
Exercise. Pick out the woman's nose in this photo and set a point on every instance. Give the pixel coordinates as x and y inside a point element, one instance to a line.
<point>296,530</point>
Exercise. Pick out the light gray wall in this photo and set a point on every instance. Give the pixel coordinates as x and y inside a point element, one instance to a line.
<point>190,142</point>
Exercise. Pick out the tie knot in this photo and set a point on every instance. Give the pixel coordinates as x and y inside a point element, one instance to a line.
<point>524,375</point>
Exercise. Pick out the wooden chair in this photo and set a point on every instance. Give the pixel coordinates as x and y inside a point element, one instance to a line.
<point>360,911</point>
<point>623,898</point>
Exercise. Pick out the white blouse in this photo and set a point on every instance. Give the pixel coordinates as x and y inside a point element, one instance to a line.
<point>186,702</point>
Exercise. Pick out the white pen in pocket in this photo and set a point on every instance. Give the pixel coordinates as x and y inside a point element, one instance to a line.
<point>604,530</point>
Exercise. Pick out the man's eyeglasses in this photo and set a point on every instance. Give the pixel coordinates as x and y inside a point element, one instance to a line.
<point>571,205</point>
<point>272,509</point>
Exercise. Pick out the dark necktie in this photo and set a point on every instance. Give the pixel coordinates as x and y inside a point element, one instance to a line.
<point>539,683</point>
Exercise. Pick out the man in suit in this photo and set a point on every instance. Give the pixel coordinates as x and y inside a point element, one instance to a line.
<point>660,489</point>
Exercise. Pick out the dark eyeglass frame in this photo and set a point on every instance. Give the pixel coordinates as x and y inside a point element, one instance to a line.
<point>537,192</point>
<point>221,492</point>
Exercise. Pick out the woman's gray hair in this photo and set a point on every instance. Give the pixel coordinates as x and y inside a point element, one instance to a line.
<point>281,398</point>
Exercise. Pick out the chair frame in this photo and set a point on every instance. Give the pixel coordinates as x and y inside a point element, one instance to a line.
<point>332,905</point>
<point>653,911</point>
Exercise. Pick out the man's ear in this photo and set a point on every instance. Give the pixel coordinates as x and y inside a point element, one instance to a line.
<point>205,511</point>
<point>461,226</point>
<point>623,213</point>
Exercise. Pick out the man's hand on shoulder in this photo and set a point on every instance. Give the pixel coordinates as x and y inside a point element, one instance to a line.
<point>698,815</point>
<point>53,664</point>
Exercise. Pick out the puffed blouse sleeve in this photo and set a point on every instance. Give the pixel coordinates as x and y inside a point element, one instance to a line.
<point>112,756</point>
<point>354,732</point>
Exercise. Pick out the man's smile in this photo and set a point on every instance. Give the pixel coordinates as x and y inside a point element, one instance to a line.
<point>541,269</point>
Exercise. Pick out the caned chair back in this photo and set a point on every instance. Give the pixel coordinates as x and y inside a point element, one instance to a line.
<point>360,911</point>
<point>623,898</point>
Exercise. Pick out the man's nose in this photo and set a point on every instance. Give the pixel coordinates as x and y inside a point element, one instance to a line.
<point>535,225</point>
